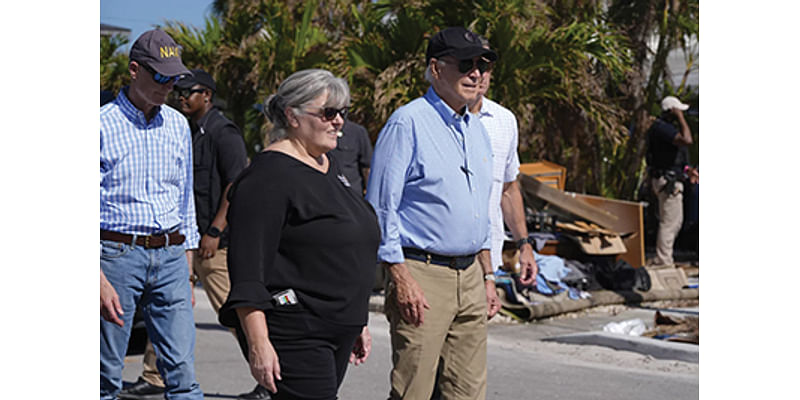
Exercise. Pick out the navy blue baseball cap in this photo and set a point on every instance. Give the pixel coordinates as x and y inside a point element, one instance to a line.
<point>160,52</point>
<point>459,43</point>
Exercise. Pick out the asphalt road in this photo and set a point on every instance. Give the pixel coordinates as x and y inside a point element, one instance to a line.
<point>520,365</point>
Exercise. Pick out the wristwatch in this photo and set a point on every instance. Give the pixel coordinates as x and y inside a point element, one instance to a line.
<point>489,277</point>
<point>213,232</point>
<point>523,241</point>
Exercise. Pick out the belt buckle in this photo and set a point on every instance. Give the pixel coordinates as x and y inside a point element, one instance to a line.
<point>147,242</point>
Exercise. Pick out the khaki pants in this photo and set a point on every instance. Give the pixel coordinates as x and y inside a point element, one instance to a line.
<point>213,274</point>
<point>670,210</point>
<point>454,329</point>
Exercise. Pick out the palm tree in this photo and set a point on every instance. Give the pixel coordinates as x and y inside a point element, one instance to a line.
<point>249,50</point>
<point>113,63</point>
<point>576,73</point>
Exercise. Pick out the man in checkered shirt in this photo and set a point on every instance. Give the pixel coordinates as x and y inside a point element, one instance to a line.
<point>148,229</point>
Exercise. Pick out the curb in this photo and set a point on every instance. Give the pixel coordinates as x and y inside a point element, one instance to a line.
<point>549,307</point>
<point>564,305</point>
<point>653,347</point>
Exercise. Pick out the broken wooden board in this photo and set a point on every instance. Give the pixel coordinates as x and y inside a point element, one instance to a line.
<point>629,224</point>
<point>600,245</point>
<point>566,202</point>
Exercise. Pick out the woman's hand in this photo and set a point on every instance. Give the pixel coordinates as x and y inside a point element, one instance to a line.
<point>362,347</point>
<point>264,365</point>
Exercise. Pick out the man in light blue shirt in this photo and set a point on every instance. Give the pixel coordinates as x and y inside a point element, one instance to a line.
<point>430,185</point>
<point>147,221</point>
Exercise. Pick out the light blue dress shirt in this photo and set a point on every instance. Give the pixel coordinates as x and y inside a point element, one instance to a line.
<point>430,181</point>
<point>146,181</point>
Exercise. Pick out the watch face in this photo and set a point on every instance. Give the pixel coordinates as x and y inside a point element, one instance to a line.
<point>213,232</point>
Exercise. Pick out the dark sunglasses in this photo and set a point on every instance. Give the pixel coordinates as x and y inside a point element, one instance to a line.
<point>465,66</point>
<point>329,113</point>
<point>160,79</point>
<point>185,93</point>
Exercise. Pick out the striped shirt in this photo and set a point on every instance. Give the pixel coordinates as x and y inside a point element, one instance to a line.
<point>146,171</point>
<point>501,125</point>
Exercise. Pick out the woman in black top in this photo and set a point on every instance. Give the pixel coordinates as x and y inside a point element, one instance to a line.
<point>303,247</point>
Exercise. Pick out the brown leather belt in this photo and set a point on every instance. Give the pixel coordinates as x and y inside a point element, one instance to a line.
<point>148,242</point>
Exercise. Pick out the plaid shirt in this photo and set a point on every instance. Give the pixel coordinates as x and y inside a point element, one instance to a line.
<point>146,172</point>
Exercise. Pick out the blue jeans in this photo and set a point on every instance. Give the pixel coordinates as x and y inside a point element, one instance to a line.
<point>158,280</point>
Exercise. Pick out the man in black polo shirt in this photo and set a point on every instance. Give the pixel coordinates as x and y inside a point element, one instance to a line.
<point>668,165</point>
<point>354,152</point>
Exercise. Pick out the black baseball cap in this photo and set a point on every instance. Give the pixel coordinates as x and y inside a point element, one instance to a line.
<point>459,43</point>
<point>160,52</point>
<point>198,77</point>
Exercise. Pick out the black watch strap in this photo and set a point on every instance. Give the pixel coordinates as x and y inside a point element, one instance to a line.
<point>213,232</point>
<point>523,241</point>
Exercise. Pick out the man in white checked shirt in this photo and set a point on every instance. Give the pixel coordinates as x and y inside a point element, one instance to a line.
<point>505,203</point>
<point>147,221</point>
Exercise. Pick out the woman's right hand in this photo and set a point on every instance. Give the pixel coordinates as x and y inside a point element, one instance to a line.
<point>264,365</point>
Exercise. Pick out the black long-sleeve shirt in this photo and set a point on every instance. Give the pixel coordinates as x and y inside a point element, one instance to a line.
<point>292,226</point>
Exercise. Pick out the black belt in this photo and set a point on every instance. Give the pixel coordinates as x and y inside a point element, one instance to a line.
<point>455,262</point>
<point>148,242</point>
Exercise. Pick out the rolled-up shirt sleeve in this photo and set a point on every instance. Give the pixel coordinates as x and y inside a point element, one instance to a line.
<point>255,219</point>
<point>390,162</point>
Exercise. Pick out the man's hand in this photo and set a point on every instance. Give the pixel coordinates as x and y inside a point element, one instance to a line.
<point>694,175</point>
<point>408,295</point>
<point>208,246</point>
<point>264,365</point>
<point>362,347</point>
<point>110,307</point>
<point>527,265</point>
<point>492,301</point>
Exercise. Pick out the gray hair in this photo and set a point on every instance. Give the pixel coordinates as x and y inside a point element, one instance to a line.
<point>429,74</point>
<point>299,89</point>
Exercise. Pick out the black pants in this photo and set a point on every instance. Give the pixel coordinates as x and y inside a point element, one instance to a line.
<point>313,353</point>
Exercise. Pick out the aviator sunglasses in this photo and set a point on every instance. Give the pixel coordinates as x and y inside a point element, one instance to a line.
<point>329,113</point>
<point>160,79</point>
